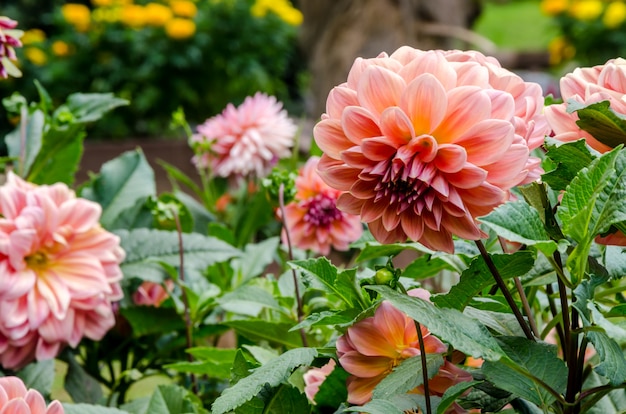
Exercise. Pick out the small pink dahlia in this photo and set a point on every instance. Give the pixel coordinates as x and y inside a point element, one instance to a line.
<point>59,271</point>
<point>152,293</point>
<point>7,43</point>
<point>314,378</point>
<point>15,398</point>
<point>313,219</point>
<point>421,143</point>
<point>246,140</point>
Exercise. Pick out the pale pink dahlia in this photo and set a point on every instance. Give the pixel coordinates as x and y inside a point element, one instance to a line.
<point>7,43</point>
<point>59,271</point>
<point>246,140</point>
<point>420,143</point>
<point>314,378</point>
<point>16,399</point>
<point>152,293</point>
<point>587,86</point>
<point>313,219</point>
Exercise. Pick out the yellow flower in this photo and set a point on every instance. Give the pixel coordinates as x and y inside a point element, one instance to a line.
<point>560,50</point>
<point>282,8</point>
<point>290,15</point>
<point>102,3</point>
<point>614,15</point>
<point>60,48</point>
<point>183,8</point>
<point>110,15</point>
<point>35,55</point>
<point>33,36</point>
<point>554,7</point>
<point>133,16</point>
<point>180,28</point>
<point>586,10</point>
<point>157,14</point>
<point>78,15</point>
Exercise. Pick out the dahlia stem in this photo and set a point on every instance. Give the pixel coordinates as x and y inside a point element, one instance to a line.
<point>526,306</point>
<point>505,291</point>
<point>281,203</point>
<point>187,313</point>
<point>420,339</point>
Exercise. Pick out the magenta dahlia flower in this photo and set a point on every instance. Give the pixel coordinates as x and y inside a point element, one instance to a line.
<point>245,140</point>
<point>421,143</point>
<point>313,219</point>
<point>59,271</point>
<point>15,398</point>
<point>7,43</point>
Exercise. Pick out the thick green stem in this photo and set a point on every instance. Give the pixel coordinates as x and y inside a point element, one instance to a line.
<point>420,339</point>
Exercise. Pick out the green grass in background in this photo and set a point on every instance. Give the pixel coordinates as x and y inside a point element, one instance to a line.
<point>516,25</point>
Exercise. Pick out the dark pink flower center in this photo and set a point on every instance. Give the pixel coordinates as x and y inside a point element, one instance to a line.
<point>321,211</point>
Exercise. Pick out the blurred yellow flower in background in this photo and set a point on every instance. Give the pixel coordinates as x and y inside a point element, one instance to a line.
<point>614,15</point>
<point>560,50</point>
<point>78,15</point>
<point>107,15</point>
<point>554,7</point>
<point>102,3</point>
<point>157,14</point>
<point>586,9</point>
<point>281,8</point>
<point>35,55</point>
<point>133,15</point>
<point>33,36</point>
<point>183,8</point>
<point>180,28</point>
<point>60,48</point>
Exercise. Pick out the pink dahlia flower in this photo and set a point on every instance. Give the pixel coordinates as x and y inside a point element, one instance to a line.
<point>314,378</point>
<point>313,219</point>
<point>247,140</point>
<point>152,294</point>
<point>372,347</point>
<point>420,143</point>
<point>16,399</point>
<point>59,271</point>
<point>587,86</point>
<point>7,43</point>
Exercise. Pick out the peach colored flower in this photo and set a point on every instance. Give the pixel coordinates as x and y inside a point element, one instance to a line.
<point>16,399</point>
<point>314,378</point>
<point>152,294</point>
<point>372,347</point>
<point>313,220</point>
<point>245,140</point>
<point>420,143</point>
<point>587,86</point>
<point>59,271</point>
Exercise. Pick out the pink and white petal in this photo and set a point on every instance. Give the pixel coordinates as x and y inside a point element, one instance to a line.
<point>55,407</point>
<point>425,102</point>
<point>35,401</point>
<point>432,62</point>
<point>487,141</point>
<point>16,406</point>
<point>13,386</point>
<point>379,88</point>
<point>338,99</point>
<point>359,123</point>
<point>52,290</point>
<point>79,214</point>
<point>467,107</point>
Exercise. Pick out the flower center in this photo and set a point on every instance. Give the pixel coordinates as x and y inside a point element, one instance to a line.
<point>37,261</point>
<point>321,211</point>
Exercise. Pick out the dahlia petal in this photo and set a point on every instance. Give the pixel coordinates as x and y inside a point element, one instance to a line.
<point>394,326</point>
<point>396,126</point>
<point>377,149</point>
<point>330,137</point>
<point>438,240</point>
<point>425,102</point>
<point>505,172</point>
<point>390,219</point>
<point>378,89</point>
<point>55,407</point>
<point>469,176</point>
<point>349,204</point>
<point>35,402</point>
<point>373,210</point>
<point>368,341</point>
<point>338,99</point>
<point>487,141</point>
<point>82,274</point>
<point>354,158</point>
<point>337,175</point>
<point>13,387</point>
<point>385,236</point>
<point>365,366</point>
<point>413,226</point>
<point>468,106</point>
<point>359,123</point>
<point>16,406</point>
<point>463,227</point>
<point>450,158</point>
<point>79,214</point>
<point>360,389</point>
<point>431,62</point>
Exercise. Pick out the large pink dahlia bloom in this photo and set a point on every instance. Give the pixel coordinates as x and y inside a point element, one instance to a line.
<point>16,399</point>
<point>588,86</point>
<point>59,271</point>
<point>245,140</point>
<point>420,143</point>
<point>313,219</point>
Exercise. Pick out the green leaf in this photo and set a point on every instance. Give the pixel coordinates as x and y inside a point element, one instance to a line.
<point>600,121</point>
<point>333,391</point>
<point>454,392</point>
<point>398,404</point>
<point>478,276</point>
<point>177,176</point>
<point>612,362</point>
<point>518,222</point>
<point>89,107</point>
<point>615,261</point>
<point>592,203</point>
<point>135,217</point>
<point>27,150</point>
<point>38,375</point>
<point>611,402</point>
<point>256,257</point>
<point>501,323</point>
<point>527,362</point>
<point>255,213</point>
<point>343,284</point>
<point>248,300</point>
<point>286,399</point>
<point>166,399</point>
<point>90,409</point>
<point>373,250</point>
<point>82,387</point>
<point>426,266</point>
<point>273,373</point>
<point>146,248</point>
<point>570,158</point>
<point>274,332</point>
<point>120,184</point>
<point>142,319</point>
<point>211,369</point>
<point>327,318</point>
<point>463,333</point>
<point>407,376</point>
<point>60,154</point>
